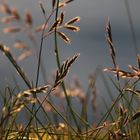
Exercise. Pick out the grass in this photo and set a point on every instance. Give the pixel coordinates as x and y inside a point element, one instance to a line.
<point>59,118</point>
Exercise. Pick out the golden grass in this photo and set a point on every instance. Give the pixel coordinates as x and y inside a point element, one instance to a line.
<point>121,120</point>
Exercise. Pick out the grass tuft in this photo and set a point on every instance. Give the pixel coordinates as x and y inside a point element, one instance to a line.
<point>48,112</point>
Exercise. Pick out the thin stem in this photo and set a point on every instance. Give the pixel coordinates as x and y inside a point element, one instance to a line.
<point>59,65</point>
<point>121,95</point>
<point>55,39</point>
<point>41,44</point>
<point>40,54</point>
<point>61,116</point>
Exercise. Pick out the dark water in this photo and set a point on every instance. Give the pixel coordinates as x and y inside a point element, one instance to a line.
<point>89,42</point>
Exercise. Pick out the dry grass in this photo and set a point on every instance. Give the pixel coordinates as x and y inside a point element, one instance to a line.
<point>54,100</point>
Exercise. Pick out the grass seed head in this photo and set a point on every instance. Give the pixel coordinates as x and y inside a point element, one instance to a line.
<point>73,20</point>
<point>15,13</point>
<point>64,37</point>
<point>28,18</point>
<point>5,8</point>
<point>11,30</point>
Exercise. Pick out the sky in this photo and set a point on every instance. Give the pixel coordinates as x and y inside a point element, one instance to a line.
<point>94,15</point>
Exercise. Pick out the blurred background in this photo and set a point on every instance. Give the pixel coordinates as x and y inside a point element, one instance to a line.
<point>90,42</point>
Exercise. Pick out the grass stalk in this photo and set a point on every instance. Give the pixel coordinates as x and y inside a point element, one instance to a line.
<point>59,65</point>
